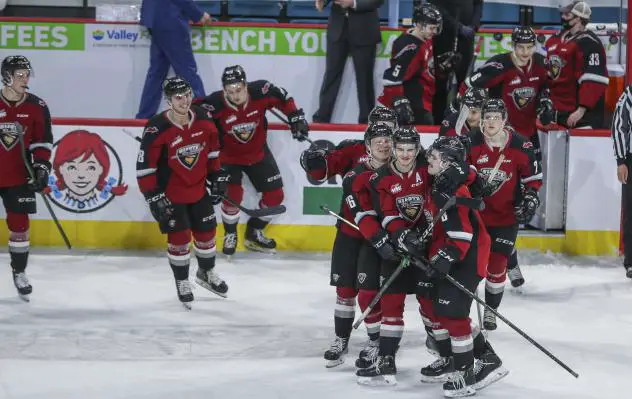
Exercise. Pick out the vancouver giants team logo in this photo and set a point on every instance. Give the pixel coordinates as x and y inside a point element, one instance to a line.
<point>243,132</point>
<point>410,206</point>
<point>87,173</point>
<point>189,155</point>
<point>8,135</point>
<point>556,63</point>
<point>522,96</point>
<point>500,178</point>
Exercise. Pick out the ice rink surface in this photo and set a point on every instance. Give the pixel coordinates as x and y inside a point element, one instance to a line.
<point>108,326</point>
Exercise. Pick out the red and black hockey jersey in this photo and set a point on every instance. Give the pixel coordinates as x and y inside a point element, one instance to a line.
<point>519,87</point>
<point>578,73</point>
<point>448,126</point>
<point>519,166</point>
<point>244,129</point>
<point>176,159</point>
<point>342,159</point>
<point>32,113</point>
<point>411,73</point>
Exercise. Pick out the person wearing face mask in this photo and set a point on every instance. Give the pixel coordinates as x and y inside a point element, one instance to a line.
<point>460,122</point>
<point>506,162</point>
<point>239,112</point>
<point>577,70</point>
<point>519,78</point>
<point>409,81</point>
<point>179,174</point>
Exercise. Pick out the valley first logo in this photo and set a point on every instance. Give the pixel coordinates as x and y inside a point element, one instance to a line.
<point>119,34</point>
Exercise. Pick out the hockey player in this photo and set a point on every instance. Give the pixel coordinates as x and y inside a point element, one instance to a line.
<point>179,174</point>
<point>17,187</point>
<point>409,81</point>
<point>467,117</point>
<point>519,78</point>
<point>577,70</point>
<point>346,258</point>
<point>239,114</point>
<point>507,163</point>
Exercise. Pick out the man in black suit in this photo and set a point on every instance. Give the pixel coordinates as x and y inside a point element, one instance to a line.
<point>353,29</point>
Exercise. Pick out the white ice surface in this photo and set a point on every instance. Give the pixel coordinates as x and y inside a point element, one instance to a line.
<point>104,326</point>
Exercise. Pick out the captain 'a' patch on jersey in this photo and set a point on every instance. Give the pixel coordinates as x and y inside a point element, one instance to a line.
<point>555,65</point>
<point>243,132</point>
<point>8,135</point>
<point>522,96</point>
<point>499,179</point>
<point>410,206</point>
<point>189,155</point>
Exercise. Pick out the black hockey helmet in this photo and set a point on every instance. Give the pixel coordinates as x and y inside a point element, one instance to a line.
<point>406,135</point>
<point>11,64</point>
<point>494,105</point>
<point>381,114</point>
<point>474,98</point>
<point>428,14</point>
<point>378,129</point>
<point>451,149</point>
<point>523,34</point>
<point>233,74</point>
<point>176,85</point>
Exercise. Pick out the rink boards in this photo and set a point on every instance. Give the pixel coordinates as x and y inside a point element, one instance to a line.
<point>93,191</point>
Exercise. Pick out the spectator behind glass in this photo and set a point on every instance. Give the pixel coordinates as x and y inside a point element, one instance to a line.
<point>168,24</point>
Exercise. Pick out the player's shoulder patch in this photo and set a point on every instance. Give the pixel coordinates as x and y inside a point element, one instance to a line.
<point>33,99</point>
<point>348,143</point>
<point>156,125</point>
<point>201,112</point>
<point>405,43</point>
<point>519,142</point>
<point>264,88</point>
<point>213,103</point>
<point>499,61</point>
<point>588,38</point>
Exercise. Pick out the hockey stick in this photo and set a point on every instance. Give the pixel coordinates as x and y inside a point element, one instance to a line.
<point>29,169</point>
<point>282,119</point>
<point>255,213</point>
<point>452,80</point>
<point>477,51</point>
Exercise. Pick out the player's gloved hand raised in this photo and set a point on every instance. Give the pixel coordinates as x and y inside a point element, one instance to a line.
<point>382,244</point>
<point>527,207</point>
<point>479,187</point>
<point>217,184</point>
<point>546,111</point>
<point>404,111</point>
<point>314,159</point>
<point>447,62</point>
<point>160,206</point>
<point>443,260</point>
<point>298,125</point>
<point>409,241</point>
<point>39,182</point>
<point>448,181</point>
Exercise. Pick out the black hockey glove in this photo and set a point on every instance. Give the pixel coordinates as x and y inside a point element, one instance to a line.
<point>451,178</point>
<point>160,206</point>
<point>546,111</point>
<point>527,207</point>
<point>217,184</point>
<point>313,159</point>
<point>479,188</point>
<point>447,62</point>
<point>404,111</point>
<point>383,246</point>
<point>39,182</point>
<point>443,260</point>
<point>409,241</point>
<point>298,125</point>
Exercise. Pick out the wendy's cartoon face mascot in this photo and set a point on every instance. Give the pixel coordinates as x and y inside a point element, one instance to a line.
<point>81,166</point>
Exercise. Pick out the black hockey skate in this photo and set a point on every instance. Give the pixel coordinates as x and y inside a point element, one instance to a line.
<point>515,276</point>
<point>437,371</point>
<point>381,372</point>
<point>628,271</point>
<point>489,320</point>
<point>460,383</point>
<point>488,369</point>
<point>256,240</point>
<point>23,285</point>
<point>185,295</point>
<point>335,355</point>
<point>230,245</point>
<point>212,282</point>
<point>368,355</point>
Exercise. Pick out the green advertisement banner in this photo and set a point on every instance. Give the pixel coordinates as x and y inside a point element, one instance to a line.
<point>41,36</point>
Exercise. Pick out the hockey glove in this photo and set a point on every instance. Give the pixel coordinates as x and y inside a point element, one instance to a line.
<point>447,62</point>
<point>160,206</point>
<point>217,184</point>
<point>443,260</point>
<point>479,188</point>
<point>546,111</point>
<point>298,125</point>
<point>314,159</point>
<point>527,207</point>
<point>39,182</point>
<point>451,178</point>
<point>404,111</point>
<point>383,246</point>
<point>408,241</point>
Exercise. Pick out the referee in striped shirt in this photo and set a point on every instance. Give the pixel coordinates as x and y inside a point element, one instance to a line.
<point>621,128</point>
